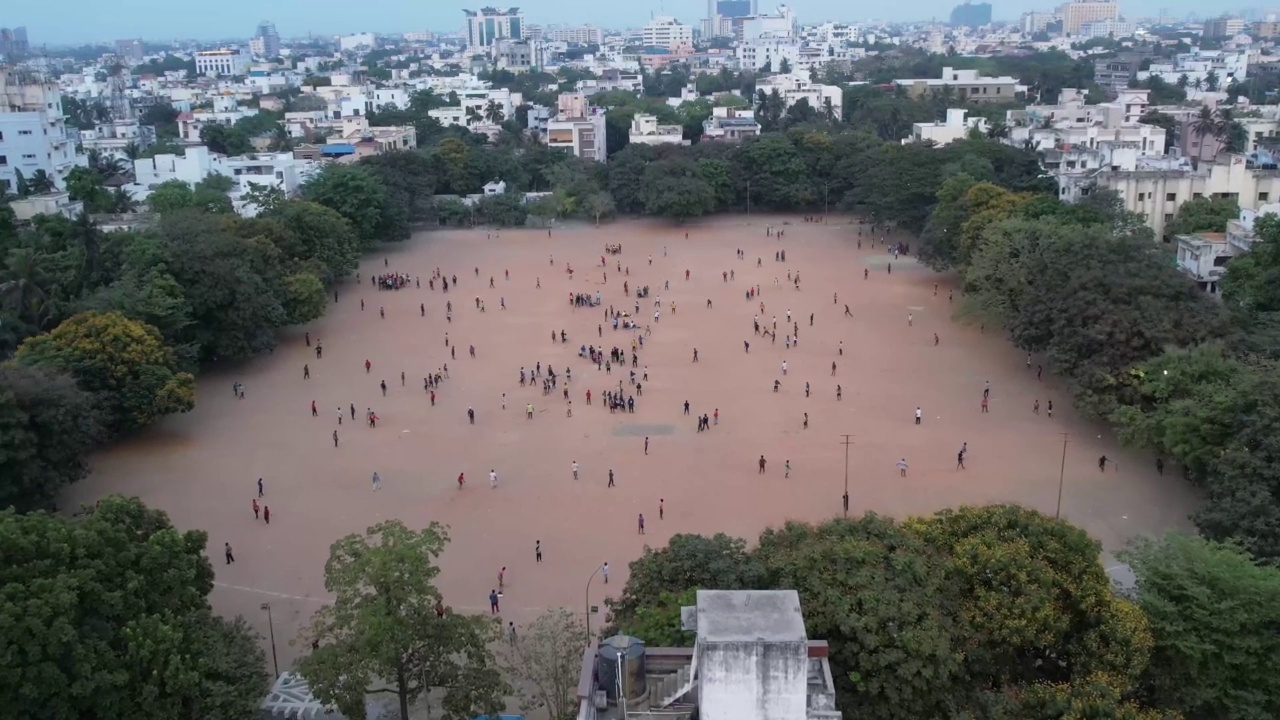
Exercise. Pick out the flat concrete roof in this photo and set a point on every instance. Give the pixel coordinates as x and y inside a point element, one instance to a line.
<point>750,616</point>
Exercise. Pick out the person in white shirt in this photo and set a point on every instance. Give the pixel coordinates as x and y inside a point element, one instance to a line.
<point>493,479</point>
<point>902,467</point>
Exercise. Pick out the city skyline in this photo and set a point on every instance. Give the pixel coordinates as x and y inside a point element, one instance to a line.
<point>47,24</point>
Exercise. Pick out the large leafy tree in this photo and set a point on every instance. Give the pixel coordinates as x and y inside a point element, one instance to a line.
<point>315,238</point>
<point>1204,215</point>
<point>48,426</point>
<point>544,660</point>
<point>123,362</point>
<point>356,194</point>
<point>879,596</point>
<point>1034,602</point>
<point>1213,613</point>
<point>107,617</point>
<point>382,634</point>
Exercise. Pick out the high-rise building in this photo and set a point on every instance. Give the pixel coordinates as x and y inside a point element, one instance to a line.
<point>488,24</point>
<point>1222,27</point>
<point>266,41</point>
<point>666,32</point>
<point>721,15</point>
<point>13,42</point>
<point>581,35</point>
<point>971,15</point>
<point>130,51</point>
<point>1076,14</point>
<point>33,131</point>
<point>225,61</point>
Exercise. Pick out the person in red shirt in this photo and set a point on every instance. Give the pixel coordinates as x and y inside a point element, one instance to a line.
<point>266,513</point>
<point>461,479</point>
<point>255,508</point>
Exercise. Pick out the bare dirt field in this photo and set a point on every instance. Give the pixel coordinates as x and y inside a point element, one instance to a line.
<point>202,467</point>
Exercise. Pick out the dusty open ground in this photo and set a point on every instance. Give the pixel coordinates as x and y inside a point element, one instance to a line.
<point>202,467</point>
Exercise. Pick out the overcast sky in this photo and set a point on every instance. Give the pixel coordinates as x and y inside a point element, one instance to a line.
<point>77,21</point>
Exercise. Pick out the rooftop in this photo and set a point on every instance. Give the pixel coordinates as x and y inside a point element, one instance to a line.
<point>750,616</point>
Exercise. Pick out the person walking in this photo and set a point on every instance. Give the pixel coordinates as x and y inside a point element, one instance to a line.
<point>335,438</point>
<point>640,524</point>
<point>1160,465</point>
<point>761,464</point>
<point>902,467</point>
<point>646,444</point>
<point>502,579</point>
<point>960,460</point>
<point>306,371</point>
<point>493,479</point>
<point>1102,463</point>
<point>377,481</point>
<point>230,557</point>
<point>260,490</point>
<point>661,509</point>
<point>266,514</point>
<point>919,415</point>
<point>575,469</point>
<point>786,464</point>
<point>610,477</point>
<point>383,384</point>
<point>493,602</point>
<point>255,508</point>
<point>604,570</point>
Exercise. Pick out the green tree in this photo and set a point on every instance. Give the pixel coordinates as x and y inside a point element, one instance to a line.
<point>687,562</point>
<point>355,194</point>
<point>1204,215</point>
<point>880,597</point>
<point>108,617</point>
<point>315,236</point>
<point>544,659</point>
<point>305,298</point>
<point>1212,611</point>
<point>224,139</point>
<point>677,190</point>
<point>171,195</point>
<point>123,362</point>
<point>382,633</point>
<point>48,426</point>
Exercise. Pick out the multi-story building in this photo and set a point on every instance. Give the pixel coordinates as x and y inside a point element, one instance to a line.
<point>357,42</point>
<point>1265,29</point>
<point>955,127</point>
<point>794,87</point>
<point>768,54</point>
<point>577,35</point>
<point>1080,12</point>
<point>645,130</point>
<point>224,61</point>
<point>611,79</point>
<point>1031,23</point>
<point>971,15</point>
<point>666,32</point>
<point>751,660</point>
<point>1199,66</point>
<point>1109,28</point>
<point>781,23</point>
<point>13,42</point>
<point>130,51</point>
<point>578,127</point>
<point>1224,26</point>
<point>489,24</point>
<point>266,41</point>
<point>278,170</point>
<point>519,55</point>
<point>730,124</point>
<point>1114,74</point>
<point>969,86</point>
<point>115,138</point>
<point>33,131</point>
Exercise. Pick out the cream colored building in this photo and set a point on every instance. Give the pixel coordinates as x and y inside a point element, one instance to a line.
<point>666,32</point>
<point>645,130</point>
<point>1157,194</point>
<point>955,127</point>
<point>968,85</point>
<point>1075,15</point>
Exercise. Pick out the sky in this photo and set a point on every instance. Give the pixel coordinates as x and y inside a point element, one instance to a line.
<point>81,21</point>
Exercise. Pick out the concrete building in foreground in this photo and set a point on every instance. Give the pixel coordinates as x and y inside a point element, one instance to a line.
<point>578,127</point>
<point>752,660</point>
<point>33,132</point>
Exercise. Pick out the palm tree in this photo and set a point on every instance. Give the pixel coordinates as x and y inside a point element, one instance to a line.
<point>473,115</point>
<point>828,110</point>
<point>132,151</point>
<point>1183,81</point>
<point>998,130</point>
<point>20,292</point>
<point>40,183</point>
<point>1211,81</point>
<point>1203,126</point>
<point>1197,84</point>
<point>493,112</point>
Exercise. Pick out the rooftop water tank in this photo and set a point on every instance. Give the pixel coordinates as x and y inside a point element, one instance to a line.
<point>627,652</point>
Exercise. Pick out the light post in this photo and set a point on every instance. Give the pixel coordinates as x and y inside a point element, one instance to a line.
<point>748,197</point>
<point>588,600</point>
<point>271,628</point>
<point>1057,514</point>
<point>847,442</point>
<point>826,189</point>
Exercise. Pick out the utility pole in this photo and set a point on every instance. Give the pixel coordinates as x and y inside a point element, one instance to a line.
<point>748,197</point>
<point>846,442</point>
<point>1057,514</point>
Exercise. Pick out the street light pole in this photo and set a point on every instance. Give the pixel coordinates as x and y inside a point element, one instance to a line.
<point>271,628</point>
<point>826,189</point>
<point>588,601</point>
<point>1057,514</point>
<point>748,197</point>
<point>847,442</point>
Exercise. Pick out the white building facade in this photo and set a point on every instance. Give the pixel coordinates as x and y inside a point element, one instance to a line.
<point>223,62</point>
<point>33,131</point>
<point>666,32</point>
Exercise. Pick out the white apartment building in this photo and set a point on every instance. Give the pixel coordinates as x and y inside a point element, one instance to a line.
<point>1031,23</point>
<point>278,170</point>
<point>968,85</point>
<point>955,127</point>
<point>666,32</point>
<point>611,79</point>
<point>767,53</point>
<point>780,24</point>
<point>487,25</point>
<point>645,130</point>
<point>357,42</point>
<point>1109,28</point>
<point>578,127</point>
<point>224,61</point>
<point>578,35</point>
<point>794,86</point>
<point>33,132</point>
<point>113,138</point>
<point>1227,65</point>
<point>730,124</point>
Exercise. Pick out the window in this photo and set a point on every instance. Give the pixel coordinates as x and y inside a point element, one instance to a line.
<point>1196,196</point>
<point>1263,197</point>
<point>4,160</point>
<point>1171,197</point>
<point>24,132</point>
<point>1142,196</point>
<point>29,157</point>
<point>1168,217</point>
